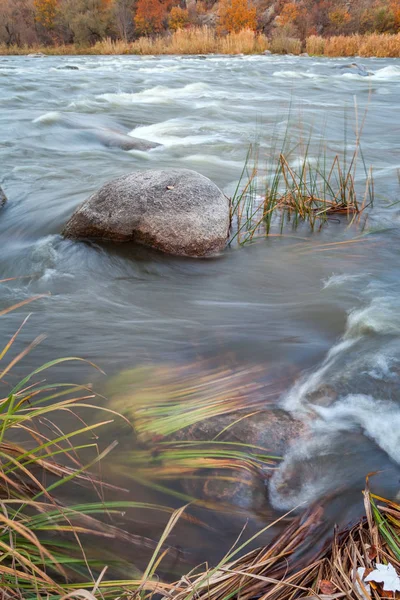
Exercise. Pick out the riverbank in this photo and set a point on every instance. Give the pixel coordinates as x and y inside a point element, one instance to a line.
<point>204,40</point>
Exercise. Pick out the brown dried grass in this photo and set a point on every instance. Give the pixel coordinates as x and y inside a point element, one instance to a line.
<point>277,572</point>
<point>381,45</point>
<point>204,40</point>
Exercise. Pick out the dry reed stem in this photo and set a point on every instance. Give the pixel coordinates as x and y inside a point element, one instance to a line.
<point>276,571</point>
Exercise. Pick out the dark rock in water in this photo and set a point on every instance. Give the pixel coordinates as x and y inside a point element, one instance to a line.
<point>3,198</point>
<point>355,68</point>
<point>67,68</point>
<point>177,211</point>
<point>273,430</point>
<point>116,139</point>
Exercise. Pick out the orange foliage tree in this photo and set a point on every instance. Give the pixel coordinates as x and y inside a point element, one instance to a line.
<point>46,12</point>
<point>235,15</point>
<point>150,16</point>
<point>395,7</point>
<point>289,14</point>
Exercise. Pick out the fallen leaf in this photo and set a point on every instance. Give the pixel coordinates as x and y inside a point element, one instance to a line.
<point>385,574</point>
<point>372,553</point>
<point>326,587</point>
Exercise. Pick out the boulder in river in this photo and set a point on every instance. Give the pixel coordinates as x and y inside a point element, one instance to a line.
<point>177,211</point>
<point>3,198</point>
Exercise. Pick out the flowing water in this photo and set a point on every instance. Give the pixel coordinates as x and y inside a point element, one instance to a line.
<point>329,315</point>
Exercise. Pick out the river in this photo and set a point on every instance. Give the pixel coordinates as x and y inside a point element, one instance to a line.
<point>330,315</point>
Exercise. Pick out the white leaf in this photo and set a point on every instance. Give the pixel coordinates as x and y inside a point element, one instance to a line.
<point>366,587</point>
<point>387,575</point>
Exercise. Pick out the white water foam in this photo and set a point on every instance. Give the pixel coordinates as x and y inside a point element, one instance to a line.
<point>157,95</point>
<point>174,132</point>
<point>328,415</point>
<point>48,118</point>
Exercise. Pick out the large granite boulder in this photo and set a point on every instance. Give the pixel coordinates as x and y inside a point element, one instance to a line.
<point>177,211</point>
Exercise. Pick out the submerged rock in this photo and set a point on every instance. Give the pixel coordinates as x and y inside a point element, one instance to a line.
<point>271,431</point>
<point>177,211</point>
<point>355,68</point>
<point>116,139</point>
<point>3,198</point>
<point>67,68</point>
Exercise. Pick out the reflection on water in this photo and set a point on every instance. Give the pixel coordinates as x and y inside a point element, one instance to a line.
<point>318,322</point>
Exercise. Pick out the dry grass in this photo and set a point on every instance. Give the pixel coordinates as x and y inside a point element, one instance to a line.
<point>244,42</point>
<point>342,45</point>
<point>282,44</point>
<point>381,45</point>
<point>204,40</point>
<point>315,45</point>
<point>276,572</point>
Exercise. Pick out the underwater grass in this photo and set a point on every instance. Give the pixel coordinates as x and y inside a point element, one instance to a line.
<point>165,406</point>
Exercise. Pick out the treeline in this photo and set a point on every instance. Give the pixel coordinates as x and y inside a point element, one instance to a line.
<point>87,22</point>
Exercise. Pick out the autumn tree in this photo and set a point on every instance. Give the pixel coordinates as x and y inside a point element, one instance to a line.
<point>178,18</point>
<point>17,22</point>
<point>339,18</point>
<point>379,18</point>
<point>46,12</point>
<point>395,8</point>
<point>150,16</point>
<point>235,15</point>
<point>289,14</point>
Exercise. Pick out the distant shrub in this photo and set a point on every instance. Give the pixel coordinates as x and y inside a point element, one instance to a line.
<point>315,45</point>
<point>282,44</point>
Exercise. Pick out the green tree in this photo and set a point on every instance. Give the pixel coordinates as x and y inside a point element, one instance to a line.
<point>85,22</point>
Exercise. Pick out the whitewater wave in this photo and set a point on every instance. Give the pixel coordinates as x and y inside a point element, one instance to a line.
<point>49,118</point>
<point>174,132</point>
<point>311,468</point>
<point>158,95</point>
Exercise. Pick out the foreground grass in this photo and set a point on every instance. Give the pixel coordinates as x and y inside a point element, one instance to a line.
<point>204,40</point>
<point>42,540</point>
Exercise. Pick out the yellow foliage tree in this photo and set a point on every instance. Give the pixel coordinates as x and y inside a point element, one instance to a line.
<point>46,12</point>
<point>178,18</point>
<point>236,15</point>
<point>339,17</point>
